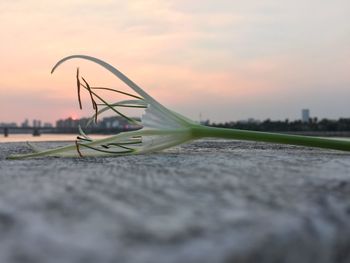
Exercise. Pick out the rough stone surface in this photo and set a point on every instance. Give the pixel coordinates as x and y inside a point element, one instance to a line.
<point>208,201</point>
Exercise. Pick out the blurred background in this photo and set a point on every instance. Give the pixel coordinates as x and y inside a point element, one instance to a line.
<point>219,60</point>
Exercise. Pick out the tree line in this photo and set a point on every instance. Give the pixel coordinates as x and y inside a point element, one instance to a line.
<point>342,124</point>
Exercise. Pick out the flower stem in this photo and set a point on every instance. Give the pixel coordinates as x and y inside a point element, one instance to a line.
<point>203,131</point>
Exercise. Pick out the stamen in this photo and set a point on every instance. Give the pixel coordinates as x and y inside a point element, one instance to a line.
<point>78,150</point>
<point>94,104</point>
<point>83,139</point>
<point>125,105</point>
<point>108,105</point>
<point>82,133</point>
<point>78,86</point>
<point>125,143</point>
<point>104,151</point>
<point>119,91</point>
<point>117,145</point>
<point>121,145</point>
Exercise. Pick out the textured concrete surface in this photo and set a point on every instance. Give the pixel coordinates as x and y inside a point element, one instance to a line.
<point>209,201</point>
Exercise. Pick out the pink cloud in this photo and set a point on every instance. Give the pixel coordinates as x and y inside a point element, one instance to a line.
<point>188,55</point>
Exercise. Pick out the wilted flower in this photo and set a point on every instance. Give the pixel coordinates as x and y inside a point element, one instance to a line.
<point>160,128</point>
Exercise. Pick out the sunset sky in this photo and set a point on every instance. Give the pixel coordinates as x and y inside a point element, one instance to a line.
<point>226,59</point>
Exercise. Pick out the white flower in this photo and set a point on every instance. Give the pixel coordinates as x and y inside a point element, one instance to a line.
<point>161,127</point>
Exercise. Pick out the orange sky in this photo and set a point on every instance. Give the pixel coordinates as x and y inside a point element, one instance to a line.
<point>225,59</point>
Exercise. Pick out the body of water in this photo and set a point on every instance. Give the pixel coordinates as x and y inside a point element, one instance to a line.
<point>69,137</point>
<point>43,137</point>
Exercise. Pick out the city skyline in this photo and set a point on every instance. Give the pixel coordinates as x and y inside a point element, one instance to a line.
<point>227,60</point>
<point>305,116</point>
<point>306,124</point>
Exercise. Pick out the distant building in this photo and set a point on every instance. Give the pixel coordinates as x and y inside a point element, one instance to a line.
<point>305,115</point>
<point>249,120</point>
<point>8,124</point>
<point>115,122</point>
<point>36,123</point>
<point>107,123</point>
<point>111,122</point>
<point>25,124</point>
<point>67,123</point>
<point>47,125</point>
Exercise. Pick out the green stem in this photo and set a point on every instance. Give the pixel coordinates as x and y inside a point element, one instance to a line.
<point>203,131</point>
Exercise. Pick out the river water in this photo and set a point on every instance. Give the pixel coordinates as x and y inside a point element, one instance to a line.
<point>65,137</point>
<point>43,137</point>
